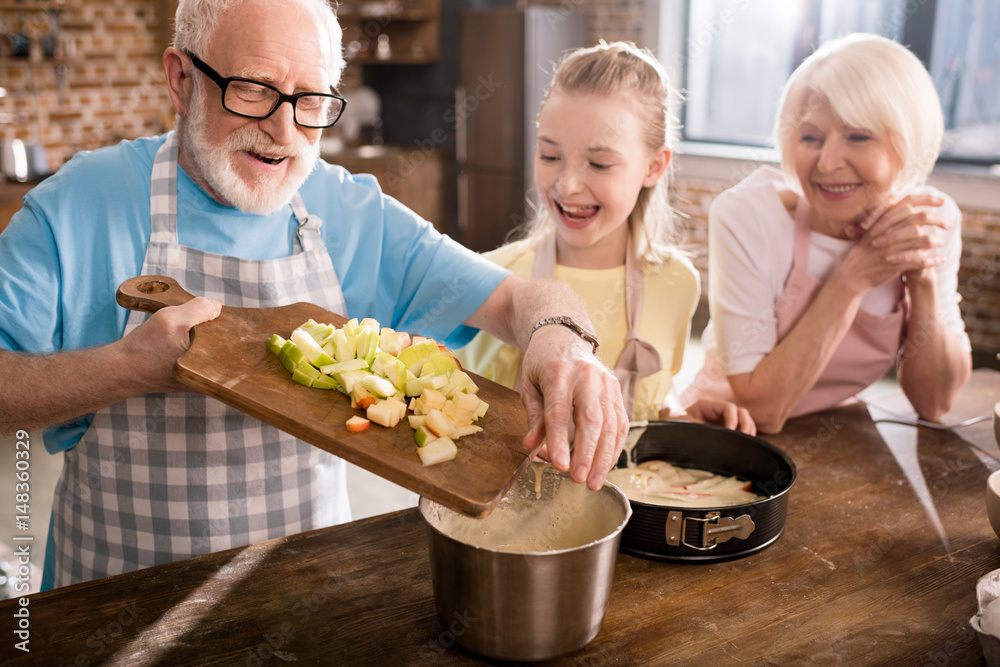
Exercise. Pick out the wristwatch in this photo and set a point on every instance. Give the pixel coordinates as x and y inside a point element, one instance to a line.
<point>574,326</point>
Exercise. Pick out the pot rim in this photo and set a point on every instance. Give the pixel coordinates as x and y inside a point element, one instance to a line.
<point>425,503</point>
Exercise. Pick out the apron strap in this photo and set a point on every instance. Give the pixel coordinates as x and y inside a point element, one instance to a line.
<point>638,359</point>
<point>162,193</point>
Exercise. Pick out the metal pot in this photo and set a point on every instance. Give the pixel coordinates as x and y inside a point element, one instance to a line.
<point>532,580</point>
<point>704,535</point>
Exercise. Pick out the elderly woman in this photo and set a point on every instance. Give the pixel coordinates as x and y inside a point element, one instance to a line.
<point>823,276</point>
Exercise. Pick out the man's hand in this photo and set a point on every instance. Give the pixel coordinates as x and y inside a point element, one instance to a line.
<point>152,349</point>
<point>94,378</point>
<point>567,392</point>
<point>570,394</point>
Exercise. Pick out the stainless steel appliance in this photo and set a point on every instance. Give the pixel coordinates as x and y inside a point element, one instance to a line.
<point>506,59</point>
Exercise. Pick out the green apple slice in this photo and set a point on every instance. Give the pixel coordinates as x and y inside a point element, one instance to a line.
<point>275,343</point>
<point>423,436</point>
<point>291,356</point>
<point>378,386</point>
<point>348,378</point>
<point>325,382</point>
<point>314,353</point>
<point>343,366</point>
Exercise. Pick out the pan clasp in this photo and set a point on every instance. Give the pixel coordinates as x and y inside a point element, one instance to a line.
<point>716,529</point>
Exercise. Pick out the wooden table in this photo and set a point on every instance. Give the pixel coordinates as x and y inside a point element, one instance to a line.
<point>885,539</point>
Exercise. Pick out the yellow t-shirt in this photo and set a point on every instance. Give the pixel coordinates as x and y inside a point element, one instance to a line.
<point>670,296</point>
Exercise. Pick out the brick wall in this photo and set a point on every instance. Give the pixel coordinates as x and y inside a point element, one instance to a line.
<point>75,103</point>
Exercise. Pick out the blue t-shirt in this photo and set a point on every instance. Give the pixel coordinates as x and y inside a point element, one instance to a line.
<point>84,231</point>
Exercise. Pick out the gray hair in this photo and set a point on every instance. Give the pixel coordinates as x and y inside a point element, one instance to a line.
<point>196,20</point>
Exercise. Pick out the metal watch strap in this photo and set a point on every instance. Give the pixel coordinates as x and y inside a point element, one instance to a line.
<point>570,324</point>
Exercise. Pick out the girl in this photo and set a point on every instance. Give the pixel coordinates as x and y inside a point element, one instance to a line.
<point>603,224</point>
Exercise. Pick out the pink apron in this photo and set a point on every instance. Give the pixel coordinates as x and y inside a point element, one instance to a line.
<point>638,359</point>
<point>869,348</point>
<point>866,353</point>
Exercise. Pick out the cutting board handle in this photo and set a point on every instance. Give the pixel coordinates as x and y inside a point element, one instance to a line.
<point>150,293</point>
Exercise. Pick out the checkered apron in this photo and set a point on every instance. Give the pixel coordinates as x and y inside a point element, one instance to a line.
<point>162,477</point>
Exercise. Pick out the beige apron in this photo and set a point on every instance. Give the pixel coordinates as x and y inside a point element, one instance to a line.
<point>162,477</point>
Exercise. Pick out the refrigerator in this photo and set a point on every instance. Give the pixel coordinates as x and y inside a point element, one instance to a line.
<point>506,60</point>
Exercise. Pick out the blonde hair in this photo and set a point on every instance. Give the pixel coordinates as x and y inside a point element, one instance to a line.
<point>872,83</point>
<point>196,21</point>
<point>634,76</point>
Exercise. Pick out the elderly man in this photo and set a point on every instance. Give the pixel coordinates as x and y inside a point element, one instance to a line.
<point>237,206</point>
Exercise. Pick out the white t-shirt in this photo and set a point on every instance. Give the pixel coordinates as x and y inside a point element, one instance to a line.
<point>750,240</point>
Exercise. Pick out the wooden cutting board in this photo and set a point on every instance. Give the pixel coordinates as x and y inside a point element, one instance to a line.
<point>229,361</point>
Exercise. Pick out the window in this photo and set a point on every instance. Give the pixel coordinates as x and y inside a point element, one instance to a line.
<point>739,53</point>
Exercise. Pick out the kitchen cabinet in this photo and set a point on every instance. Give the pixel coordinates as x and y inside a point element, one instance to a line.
<point>504,65</point>
<point>392,32</point>
<point>418,179</point>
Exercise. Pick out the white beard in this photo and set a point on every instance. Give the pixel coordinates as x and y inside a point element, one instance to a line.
<point>261,196</point>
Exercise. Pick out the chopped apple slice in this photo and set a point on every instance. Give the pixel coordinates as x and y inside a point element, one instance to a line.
<point>366,344</point>
<point>343,366</point>
<point>318,331</point>
<point>301,378</point>
<point>423,437</point>
<point>290,356</point>
<point>393,342</point>
<point>357,424</point>
<point>438,451</point>
<point>384,413</point>
<point>325,382</point>
<point>361,397</point>
<point>460,416</point>
<point>465,401</point>
<point>310,348</point>
<point>417,354</point>
<point>463,431</point>
<point>439,364</point>
<point>430,399</point>
<point>378,386</point>
<point>275,343</point>
<point>351,326</point>
<point>440,424</point>
<point>342,345</point>
<point>347,379</point>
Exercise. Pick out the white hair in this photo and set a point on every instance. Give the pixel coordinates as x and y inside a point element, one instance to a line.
<point>872,83</point>
<point>196,20</point>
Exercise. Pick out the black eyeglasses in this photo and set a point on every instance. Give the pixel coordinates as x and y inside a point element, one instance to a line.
<point>254,99</point>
